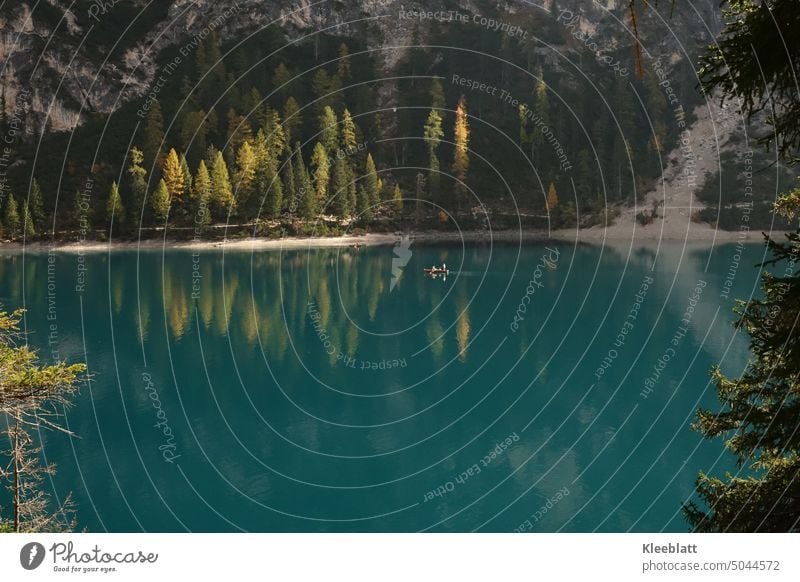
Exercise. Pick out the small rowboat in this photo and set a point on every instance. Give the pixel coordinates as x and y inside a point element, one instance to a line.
<point>436,271</point>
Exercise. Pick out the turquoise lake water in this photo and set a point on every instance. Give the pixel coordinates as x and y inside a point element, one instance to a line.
<point>537,388</point>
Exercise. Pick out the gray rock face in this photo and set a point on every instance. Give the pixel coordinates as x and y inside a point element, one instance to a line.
<point>54,54</point>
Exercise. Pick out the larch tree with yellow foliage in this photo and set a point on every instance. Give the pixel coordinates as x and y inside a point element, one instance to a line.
<point>461,157</point>
<point>552,197</point>
<point>173,176</point>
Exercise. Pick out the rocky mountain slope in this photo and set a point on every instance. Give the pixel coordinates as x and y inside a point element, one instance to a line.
<point>101,54</point>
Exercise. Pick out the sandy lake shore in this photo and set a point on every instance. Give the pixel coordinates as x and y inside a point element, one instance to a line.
<point>615,235</point>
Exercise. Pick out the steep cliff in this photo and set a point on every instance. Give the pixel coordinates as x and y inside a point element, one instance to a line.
<point>103,53</point>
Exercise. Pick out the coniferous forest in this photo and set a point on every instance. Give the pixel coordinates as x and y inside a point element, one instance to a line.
<point>268,137</point>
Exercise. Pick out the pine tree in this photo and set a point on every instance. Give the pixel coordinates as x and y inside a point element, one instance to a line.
<point>11,218</point>
<point>321,168</point>
<point>137,185</point>
<point>115,211</point>
<point>201,196</point>
<point>160,202</point>
<point>329,130</point>
<point>292,120</point>
<point>371,183</point>
<point>154,137</point>
<point>37,205</point>
<point>397,198</point>
<point>432,135</point>
<point>307,198</point>
<point>221,191</point>
<point>173,176</point>
<point>461,157</point>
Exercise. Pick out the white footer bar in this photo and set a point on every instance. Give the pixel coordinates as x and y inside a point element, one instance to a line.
<point>400,557</point>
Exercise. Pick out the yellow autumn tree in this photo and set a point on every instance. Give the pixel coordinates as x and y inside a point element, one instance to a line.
<point>461,141</point>
<point>552,197</point>
<point>173,176</point>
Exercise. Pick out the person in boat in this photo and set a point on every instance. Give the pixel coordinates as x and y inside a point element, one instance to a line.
<point>444,267</point>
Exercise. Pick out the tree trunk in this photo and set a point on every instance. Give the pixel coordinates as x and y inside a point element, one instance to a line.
<point>16,474</point>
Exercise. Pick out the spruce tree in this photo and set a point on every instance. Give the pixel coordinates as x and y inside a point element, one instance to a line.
<point>281,79</point>
<point>760,410</point>
<point>307,197</point>
<point>194,133</point>
<point>397,198</point>
<point>269,186</point>
<point>160,202</point>
<point>11,218</point>
<point>137,185</point>
<point>292,120</point>
<point>245,173</point>
<point>363,204</point>
<point>37,205</point>
<point>541,108</point>
<point>154,137</point>
<point>321,168</point>
<point>437,94</point>
<point>432,135</point>
<point>290,201</point>
<point>27,221</point>
<point>239,131</point>
<point>221,191</point>
<point>343,64</point>
<point>340,189</point>
<point>329,130</point>
<point>115,211</point>
<point>201,196</point>
<point>187,178</point>
<point>274,136</point>
<point>321,87</point>
<point>371,182</point>
<point>81,214</point>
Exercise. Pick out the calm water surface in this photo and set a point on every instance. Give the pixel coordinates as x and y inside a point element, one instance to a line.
<point>341,390</point>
